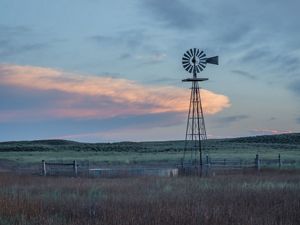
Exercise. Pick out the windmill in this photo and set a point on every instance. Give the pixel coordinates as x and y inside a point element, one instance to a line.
<point>194,61</point>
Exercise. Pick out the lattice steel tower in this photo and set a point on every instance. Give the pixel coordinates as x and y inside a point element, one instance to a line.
<point>194,61</point>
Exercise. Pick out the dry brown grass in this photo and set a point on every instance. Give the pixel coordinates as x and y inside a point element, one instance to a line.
<point>267,198</point>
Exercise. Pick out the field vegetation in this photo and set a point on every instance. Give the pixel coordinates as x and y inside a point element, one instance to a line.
<point>267,198</point>
<point>249,197</point>
<point>288,145</point>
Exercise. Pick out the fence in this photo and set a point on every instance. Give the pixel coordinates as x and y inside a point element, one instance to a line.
<point>82,168</point>
<point>256,163</point>
<point>128,172</point>
<point>228,165</point>
<point>72,168</point>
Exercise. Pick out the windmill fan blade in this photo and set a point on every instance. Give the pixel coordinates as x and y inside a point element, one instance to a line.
<point>186,55</point>
<point>191,69</point>
<point>185,59</point>
<point>188,68</point>
<point>200,54</point>
<point>203,61</point>
<point>213,60</point>
<point>197,68</point>
<point>185,62</point>
<point>185,65</point>
<point>191,52</point>
<point>195,51</point>
<point>202,65</point>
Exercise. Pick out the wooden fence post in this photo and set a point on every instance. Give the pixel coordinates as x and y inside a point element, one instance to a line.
<point>279,161</point>
<point>257,162</point>
<point>44,168</point>
<point>75,168</point>
<point>207,161</point>
<point>207,165</point>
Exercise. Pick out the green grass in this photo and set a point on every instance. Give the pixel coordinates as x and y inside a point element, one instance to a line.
<point>268,147</point>
<point>108,157</point>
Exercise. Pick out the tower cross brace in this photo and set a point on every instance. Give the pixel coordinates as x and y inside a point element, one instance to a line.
<point>195,129</point>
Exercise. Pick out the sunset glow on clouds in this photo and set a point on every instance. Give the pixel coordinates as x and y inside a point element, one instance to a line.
<point>270,131</point>
<point>55,68</point>
<point>86,96</point>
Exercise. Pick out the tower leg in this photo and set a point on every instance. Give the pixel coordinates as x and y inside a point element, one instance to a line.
<point>195,132</point>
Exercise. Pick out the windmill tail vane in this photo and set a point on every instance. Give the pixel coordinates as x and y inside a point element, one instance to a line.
<point>213,60</point>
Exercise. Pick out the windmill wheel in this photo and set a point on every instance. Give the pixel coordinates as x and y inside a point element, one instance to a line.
<point>194,60</point>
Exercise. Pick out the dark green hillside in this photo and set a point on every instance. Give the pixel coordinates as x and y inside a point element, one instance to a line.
<point>268,147</point>
<point>271,141</point>
<point>293,138</point>
<point>39,145</point>
<point>62,145</point>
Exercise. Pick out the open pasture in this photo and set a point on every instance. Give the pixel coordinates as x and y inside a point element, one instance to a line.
<point>270,197</point>
<point>268,147</point>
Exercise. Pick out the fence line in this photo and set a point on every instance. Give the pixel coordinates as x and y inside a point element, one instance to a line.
<point>58,167</point>
<point>76,168</point>
<point>256,163</point>
<point>236,163</point>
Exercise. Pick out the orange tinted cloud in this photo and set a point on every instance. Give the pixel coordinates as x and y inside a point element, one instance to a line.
<point>123,97</point>
<point>272,131</point>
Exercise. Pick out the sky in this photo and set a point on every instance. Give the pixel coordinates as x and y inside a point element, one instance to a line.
<point>105,71</point>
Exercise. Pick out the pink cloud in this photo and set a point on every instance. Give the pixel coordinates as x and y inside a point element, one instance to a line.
<point>271,131</point>
<point>112,96</point>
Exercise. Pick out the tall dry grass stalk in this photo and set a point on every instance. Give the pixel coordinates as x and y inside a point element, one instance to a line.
<point>266,199</point>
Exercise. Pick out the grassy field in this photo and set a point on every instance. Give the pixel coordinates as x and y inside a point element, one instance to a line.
<point>267,198</point>
<point>288,145</point>
<point>249,197</point>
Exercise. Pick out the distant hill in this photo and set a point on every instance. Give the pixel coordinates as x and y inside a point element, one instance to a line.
<point>293,138</point>
<point>41,142</point>
<point>157,146</point>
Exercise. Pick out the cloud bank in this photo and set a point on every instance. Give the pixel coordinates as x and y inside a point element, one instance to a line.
<point>270,131</point>
<point>71,95</point>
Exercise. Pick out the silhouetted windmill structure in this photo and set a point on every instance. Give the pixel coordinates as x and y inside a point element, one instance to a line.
<point>194,61</point>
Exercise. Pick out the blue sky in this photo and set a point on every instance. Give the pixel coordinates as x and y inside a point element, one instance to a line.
<point>98,70</point>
